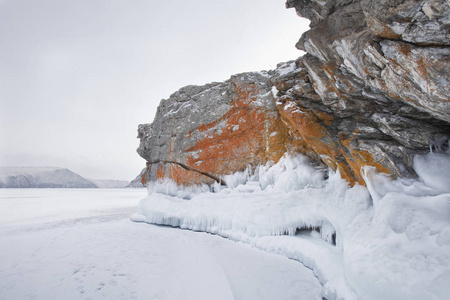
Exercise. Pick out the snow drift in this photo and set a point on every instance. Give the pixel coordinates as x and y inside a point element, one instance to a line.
<point>390,240</point>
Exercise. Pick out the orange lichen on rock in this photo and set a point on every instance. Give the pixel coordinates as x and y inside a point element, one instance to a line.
<point>315,135</point>
<point>336,153</point>
<point>249,134</point>
<point>380,29</point>
<point>323,116</point>
<point>144,179</point>
<point>179,174</point>
<point>185,177</point>
<point>252,134</point>
<point>161,172</point>
<point>358,158</point>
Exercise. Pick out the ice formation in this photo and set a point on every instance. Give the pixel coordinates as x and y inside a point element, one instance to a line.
<point>390,240</point>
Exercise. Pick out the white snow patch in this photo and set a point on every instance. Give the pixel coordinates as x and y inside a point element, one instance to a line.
<point>274,92</point>
<point>265,100</point>
<point>434,170</point>
<point>183,106</point>
<point>264,74</point>
<point>292,105</point>
<point>286,68</point>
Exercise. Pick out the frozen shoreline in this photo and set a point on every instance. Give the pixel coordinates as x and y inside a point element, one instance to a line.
<point>392,238</point>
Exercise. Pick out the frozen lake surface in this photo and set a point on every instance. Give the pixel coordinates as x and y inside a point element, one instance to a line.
<point>81,244</point>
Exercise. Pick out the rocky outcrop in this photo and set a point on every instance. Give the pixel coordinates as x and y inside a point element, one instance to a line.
<point>202,132</point>
<point>373,89</point>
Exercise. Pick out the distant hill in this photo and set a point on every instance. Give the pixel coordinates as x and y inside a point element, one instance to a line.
<point>109,184</point>
<point>50,177</point>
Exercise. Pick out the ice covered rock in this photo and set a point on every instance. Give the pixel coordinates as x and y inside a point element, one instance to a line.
<point>396,247</point>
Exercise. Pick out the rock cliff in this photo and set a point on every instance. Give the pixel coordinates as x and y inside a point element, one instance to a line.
<point>373,89</point>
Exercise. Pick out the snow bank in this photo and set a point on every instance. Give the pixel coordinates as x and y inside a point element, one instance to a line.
<point>390,240</point>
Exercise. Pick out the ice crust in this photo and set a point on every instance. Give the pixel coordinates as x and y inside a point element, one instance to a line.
<point>392,239</point>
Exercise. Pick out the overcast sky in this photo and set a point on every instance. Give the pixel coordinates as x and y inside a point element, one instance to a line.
<point>78,76</point>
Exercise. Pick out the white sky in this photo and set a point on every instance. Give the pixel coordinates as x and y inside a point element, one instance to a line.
<point>78,76</point>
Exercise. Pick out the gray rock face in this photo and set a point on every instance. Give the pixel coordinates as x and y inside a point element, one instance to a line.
<point>184,111</point>
<point>373,89</point>
<point>380,65</point>
<point>423,22</point>
<point>215,129</point>
<point>346,41</point>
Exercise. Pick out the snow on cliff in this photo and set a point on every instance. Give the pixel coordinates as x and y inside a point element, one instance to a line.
<point>390,240</point>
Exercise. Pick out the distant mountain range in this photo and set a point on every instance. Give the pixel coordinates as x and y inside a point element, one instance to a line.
<point>51,177</point>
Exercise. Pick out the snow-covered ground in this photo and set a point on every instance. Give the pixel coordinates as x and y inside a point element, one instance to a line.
<point>390,240</point>
<point>80,244</point>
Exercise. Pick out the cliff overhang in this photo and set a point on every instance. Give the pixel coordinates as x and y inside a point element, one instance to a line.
<point>372,90</point>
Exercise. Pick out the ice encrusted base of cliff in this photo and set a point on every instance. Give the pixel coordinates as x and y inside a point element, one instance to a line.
<point>390,240</point>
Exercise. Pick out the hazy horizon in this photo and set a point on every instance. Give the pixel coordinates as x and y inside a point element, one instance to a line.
<point>78,77</point>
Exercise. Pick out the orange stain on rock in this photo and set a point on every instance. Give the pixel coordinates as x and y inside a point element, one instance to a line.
<point>323,116</point>
<point>358,158</point>
<point>338,154</point>
<point>161,172</point>
<point>144,179</point>
<point>185,177</point>
<point>249,134</point>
